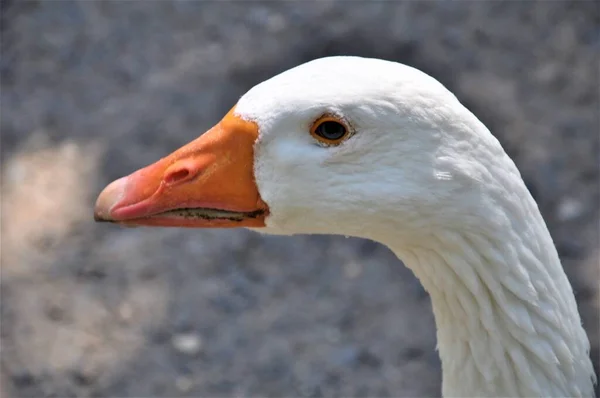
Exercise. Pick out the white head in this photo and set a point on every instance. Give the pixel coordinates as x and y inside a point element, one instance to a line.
<point>413,153</point>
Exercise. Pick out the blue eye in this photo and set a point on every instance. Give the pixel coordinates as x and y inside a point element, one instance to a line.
<point>329,130</point>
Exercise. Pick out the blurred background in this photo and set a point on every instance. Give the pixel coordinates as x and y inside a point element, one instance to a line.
<point>94,90</point>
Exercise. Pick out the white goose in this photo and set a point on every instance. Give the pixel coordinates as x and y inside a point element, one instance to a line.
<point>379,150</point>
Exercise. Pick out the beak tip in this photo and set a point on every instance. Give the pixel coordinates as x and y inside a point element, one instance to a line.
<point>108,199</point>
<point>99,217</point>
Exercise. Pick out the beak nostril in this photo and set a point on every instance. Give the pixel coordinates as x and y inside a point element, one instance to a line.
<point>177,176</point>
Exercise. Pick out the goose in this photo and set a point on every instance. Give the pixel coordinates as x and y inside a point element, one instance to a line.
<point>379,150</point>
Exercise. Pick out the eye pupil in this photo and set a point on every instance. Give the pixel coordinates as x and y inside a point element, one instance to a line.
<point>331,130</point>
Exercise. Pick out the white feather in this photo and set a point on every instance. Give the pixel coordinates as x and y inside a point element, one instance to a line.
<point>424,176</point>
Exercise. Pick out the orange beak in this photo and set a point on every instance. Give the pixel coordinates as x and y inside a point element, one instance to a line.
<point>208,183</point>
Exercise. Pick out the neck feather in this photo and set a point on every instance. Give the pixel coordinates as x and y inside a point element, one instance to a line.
<point>507,321</point>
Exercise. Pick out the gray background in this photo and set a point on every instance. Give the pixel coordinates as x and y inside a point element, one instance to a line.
<point>94,90</point>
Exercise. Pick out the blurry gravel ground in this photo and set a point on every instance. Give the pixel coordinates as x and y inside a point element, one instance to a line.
<point>93,90</point>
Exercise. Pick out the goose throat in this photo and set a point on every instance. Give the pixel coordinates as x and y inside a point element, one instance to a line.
<point>506,326</point>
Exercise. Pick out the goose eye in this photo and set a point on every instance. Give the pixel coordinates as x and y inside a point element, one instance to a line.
<point>329,130</point>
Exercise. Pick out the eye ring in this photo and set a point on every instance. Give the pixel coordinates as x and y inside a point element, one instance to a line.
<point>329,130</point>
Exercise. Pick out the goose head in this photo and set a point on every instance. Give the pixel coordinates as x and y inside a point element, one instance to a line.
<point>340,145</point>
<point>379,150</point>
